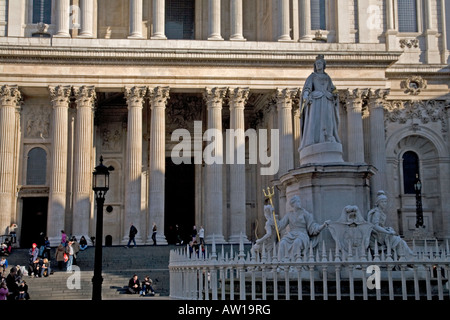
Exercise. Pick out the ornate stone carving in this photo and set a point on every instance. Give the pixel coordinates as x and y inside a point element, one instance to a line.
<point>37,122</point>
<point>409,43</point>
<point>413,85</point>
<point>85,95</point>
<point>135,95</point>
<point>425,111</point>
<point>60,94</point>
<point>183,110</point>
<point>10,95</point>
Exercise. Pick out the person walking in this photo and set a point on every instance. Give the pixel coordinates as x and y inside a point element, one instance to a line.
<point>132,235</point>
<point>201,235</point>
<point>154,234</point>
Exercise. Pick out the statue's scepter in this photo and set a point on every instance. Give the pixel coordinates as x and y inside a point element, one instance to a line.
<point>269,195</point>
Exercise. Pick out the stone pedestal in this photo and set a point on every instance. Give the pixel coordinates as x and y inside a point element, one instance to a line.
<point>325,152</point>
<point>326,188</point>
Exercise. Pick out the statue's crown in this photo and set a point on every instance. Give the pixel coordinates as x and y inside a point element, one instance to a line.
<point>320,57</point>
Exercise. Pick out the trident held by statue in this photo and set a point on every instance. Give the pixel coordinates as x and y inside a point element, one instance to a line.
<point>269,194</point>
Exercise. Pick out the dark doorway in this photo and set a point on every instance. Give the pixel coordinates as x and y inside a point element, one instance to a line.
<point>34,220</point>
<point>179,200</point>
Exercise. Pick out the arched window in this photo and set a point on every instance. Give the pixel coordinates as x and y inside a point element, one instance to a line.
<point>36,167</point>
<point>180,19</point>
<point>318,21</point>
<point>407,16</point>
<point>410,169</point>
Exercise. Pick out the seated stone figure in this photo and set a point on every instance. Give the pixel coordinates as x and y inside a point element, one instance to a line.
<point>303,231</point>
<point>269,239</point>
<point>351,232</point>
<point>385,236</point>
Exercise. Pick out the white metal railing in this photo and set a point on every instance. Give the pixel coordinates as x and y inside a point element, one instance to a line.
<point>321,275</point>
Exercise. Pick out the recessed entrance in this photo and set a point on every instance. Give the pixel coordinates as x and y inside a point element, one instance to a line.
<point>179,200</point>
<point>34,220</point>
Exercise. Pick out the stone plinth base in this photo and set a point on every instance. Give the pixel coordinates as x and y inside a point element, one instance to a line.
<point>326,152</point>
<point>325,189</point>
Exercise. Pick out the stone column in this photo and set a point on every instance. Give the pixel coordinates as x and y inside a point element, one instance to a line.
<point>133,164</point>
<point>10,97</point>
<point>354,125</point>
<point>238,98</point>
<point>283,21</point>
<point>213,186</point>
<point>62,19</point>
<point>305,20</point>
<point>214,20</point>
<point>377,99</point>
<point>432,55</point>
<point>158,99</point>
<point>135,19</point>
<point>58,175</point>
<point>236,20</point>
<point>159,10</point>
<point>391,30</point>
<point>284,106</point>
<point>342,22</point>
<point>87,19</point>
<point>82,171</point>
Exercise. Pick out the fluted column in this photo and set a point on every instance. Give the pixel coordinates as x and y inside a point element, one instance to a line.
<point>238,98</point>
<point>377,99</point>
<point>62,19</point>
<point>59,96</point>
<point>305,20</point>
<point>284,99</point>
<point>159,10</point>
<point>82,171</point>
<point>87,19</point>
<point>214,32</point>
<point>354,125</point>
<point>214,188</point>
<point>158,100</point>
<point>135,19</point>
<point>10,97</point>
<point>283,20</point>
<point>236,18</point>
<point>133,164</point>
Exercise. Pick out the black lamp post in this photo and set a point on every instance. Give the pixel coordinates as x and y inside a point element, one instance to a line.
<point>100,185</point>
<point>419,210</point>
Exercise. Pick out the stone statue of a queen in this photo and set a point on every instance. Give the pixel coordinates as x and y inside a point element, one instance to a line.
<point>319,110</point>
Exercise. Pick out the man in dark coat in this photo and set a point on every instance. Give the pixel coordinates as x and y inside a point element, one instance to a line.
<point>131,235</point>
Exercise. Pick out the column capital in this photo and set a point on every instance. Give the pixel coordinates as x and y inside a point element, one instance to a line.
<point>10,95</point>
<point>238,96</point>
<point>60,94</point>
<point>355,96</point>
<point>85,96</point>
<point>377,97</point>
<point>284,96</point>
<point>214,96</point>
<point>135,95</point>
<point>158,96</point>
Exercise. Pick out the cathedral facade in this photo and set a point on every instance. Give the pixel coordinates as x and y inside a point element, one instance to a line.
<point>154,87</point>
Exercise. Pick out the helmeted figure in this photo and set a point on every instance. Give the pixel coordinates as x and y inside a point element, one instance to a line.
<point>381,234</point>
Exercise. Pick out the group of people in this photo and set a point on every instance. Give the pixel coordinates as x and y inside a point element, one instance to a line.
<point>144,287</point>
<point>13,286</point>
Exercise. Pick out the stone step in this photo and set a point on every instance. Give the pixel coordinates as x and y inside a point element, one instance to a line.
<point>119,265</point>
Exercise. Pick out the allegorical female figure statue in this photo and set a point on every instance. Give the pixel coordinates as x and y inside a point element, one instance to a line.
<point>303,230</point>
<point>319,107</point>
<point>383,235</point>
